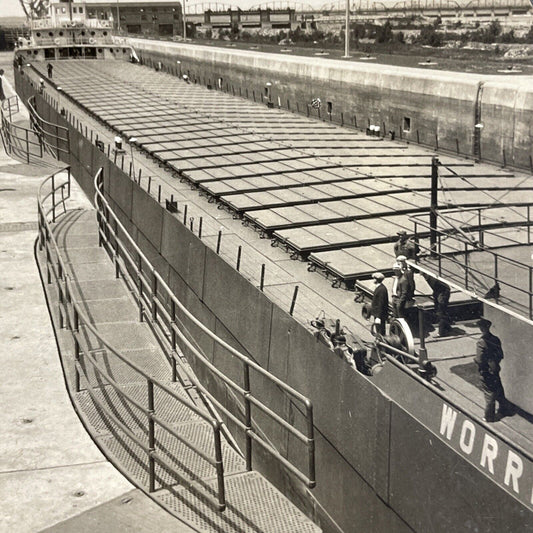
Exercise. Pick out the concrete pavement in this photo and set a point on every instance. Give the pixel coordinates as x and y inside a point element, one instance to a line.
<point>52,475</point>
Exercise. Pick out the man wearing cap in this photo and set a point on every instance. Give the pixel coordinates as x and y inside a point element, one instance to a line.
<point>405,246</point>
<point>380,303</point>
<point>400,291</point>
<point>489,354</point>
<point>409,276</point>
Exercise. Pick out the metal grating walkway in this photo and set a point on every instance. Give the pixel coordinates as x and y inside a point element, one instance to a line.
<point>253,504</point>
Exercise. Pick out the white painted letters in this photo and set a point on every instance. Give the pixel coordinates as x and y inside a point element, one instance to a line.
<point>489,452</point>
<point>468,433</point>
<point>447,422</point>
<point>513,470</point>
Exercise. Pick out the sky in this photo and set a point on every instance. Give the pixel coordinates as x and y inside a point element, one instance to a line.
<point>10,8</point>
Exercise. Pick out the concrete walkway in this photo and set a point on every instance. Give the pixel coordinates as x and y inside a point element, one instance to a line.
<point>51,472</point>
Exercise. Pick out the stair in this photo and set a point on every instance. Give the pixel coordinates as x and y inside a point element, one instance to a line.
<point>253,504</point>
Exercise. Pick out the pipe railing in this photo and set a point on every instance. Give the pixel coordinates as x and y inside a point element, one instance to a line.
<point>17,140</point>
<point>72,317</point>
<point>160,307</point>
<point>466,248</point>
<point>55,138</point>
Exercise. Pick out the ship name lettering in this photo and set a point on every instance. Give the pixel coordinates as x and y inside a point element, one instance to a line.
<point>489,453</point>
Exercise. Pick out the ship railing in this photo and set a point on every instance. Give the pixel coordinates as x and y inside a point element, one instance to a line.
<point>166,314</point>
<point>52,197</point>
<point>48,23</point>
<point>17,140</point>
<point>54,138</point>
<point>80,40</point>
<point>457,245</point>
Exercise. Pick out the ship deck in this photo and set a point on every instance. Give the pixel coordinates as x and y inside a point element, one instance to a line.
<point>331,196</point>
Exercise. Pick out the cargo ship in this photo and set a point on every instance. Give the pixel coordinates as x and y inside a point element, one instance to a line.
<point>273,207</point>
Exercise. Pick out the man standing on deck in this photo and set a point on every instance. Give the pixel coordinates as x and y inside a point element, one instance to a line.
<point>50,69</point>
<point>400,291</point>
<point>405,246</point>
<point>380,303</point>
<point>2,94</point>
<point>489,354</point>
<point>441,298</point>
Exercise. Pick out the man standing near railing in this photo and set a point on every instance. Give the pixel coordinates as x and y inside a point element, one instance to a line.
<point>50,69</point>
<point>489,355</point>
<point>2,94</point>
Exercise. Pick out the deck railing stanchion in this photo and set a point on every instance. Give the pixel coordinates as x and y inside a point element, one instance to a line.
<point>219,465</point>
<point>247,416</point>
<point>151,437</point>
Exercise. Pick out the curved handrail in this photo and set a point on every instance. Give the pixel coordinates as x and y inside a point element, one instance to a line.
<point>156,286</point>
<point>51,141</point>
<point>71,310</point>
<point>16,139</point>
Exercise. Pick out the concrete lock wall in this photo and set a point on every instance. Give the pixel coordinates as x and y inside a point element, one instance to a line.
<point>379,466</point>
<point>441,106</point>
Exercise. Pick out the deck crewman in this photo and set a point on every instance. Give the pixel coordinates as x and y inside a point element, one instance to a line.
<point>2,94</point>
<point>50,69</point>
<point>441,298</point>
<point>400,291</point>
<point>405,246</point>
<point>380,303</point>
<point>489,355</point>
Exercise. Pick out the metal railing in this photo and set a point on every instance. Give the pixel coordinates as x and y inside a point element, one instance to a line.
<point>162,309</point>
<point>54,138</point>
<point>456,256</point>
<point>73,318</point>
<point>18,141</point>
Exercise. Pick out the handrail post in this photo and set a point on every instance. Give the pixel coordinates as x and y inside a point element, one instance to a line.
<point>480,231</point>
<point>248,416</point>
<point>466,265</point>
<point>173,339</point>
<point>151,437</point>
<point>422,352</point>
<point>75,328</point>
<point>495,268</point>
<point>219,465</point>
<point>117,249</point>
<point>27,147</point>
<point>57,141</point>
<point>528,222</point>
<point>310,444</point>
<point>530,292</point>
<point>154,297</point>
<point>439,245</point>
<point>53,197</point>
<point>140,287</point>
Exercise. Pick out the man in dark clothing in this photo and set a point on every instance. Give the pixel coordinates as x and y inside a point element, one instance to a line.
<point>380,303</point>
<point>405,246</point>
<point>489,354</point>
<point>50,69</point>
<point>2,94</point>
<point>400,292</point>
<point>441,297</point>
